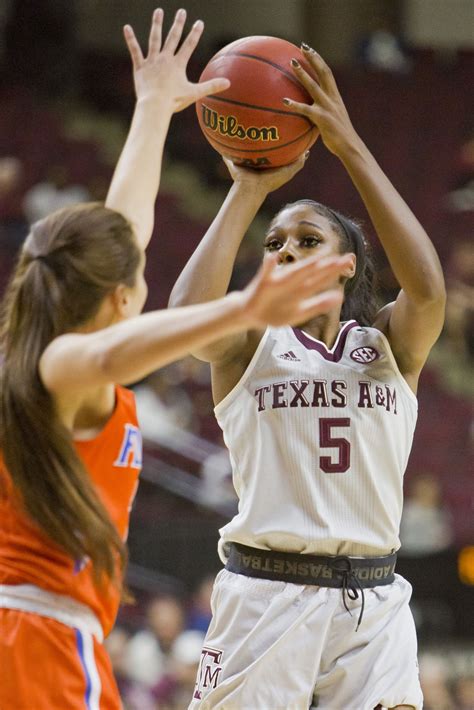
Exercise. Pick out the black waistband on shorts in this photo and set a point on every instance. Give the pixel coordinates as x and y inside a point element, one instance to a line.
<point>321,570</point>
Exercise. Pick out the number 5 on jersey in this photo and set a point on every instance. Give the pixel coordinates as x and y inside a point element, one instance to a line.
<point>342,460</point>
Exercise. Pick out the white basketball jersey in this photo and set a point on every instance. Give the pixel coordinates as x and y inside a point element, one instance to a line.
<point>319,441</point>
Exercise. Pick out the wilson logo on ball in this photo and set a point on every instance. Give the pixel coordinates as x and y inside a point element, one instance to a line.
<point>229,126</point>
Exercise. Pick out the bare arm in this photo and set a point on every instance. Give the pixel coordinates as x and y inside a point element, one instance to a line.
<point>161,89</point>
<point>131,349</point>
<point>413,323</point>
<point>207,274</point>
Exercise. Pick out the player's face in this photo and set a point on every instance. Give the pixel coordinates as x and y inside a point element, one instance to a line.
<point>298,232</point>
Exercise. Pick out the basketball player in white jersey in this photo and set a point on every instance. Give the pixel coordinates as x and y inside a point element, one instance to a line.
<point>319,422</point>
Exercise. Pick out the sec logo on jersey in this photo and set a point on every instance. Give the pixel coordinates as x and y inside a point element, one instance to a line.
<point>364,355</point>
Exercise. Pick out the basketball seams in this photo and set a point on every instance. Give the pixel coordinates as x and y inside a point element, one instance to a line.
<point>215,97</point>
<point>286,73</point>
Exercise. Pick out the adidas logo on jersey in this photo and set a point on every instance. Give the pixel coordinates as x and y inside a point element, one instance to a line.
<point>290,355</point>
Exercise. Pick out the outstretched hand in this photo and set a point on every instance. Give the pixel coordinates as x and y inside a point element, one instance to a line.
<point>161,75</point>
<point>294,293</point>
<point>328,111</point>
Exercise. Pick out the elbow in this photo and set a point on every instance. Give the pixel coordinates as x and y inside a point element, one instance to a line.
<point>438,296</point>
<point>431,290</point>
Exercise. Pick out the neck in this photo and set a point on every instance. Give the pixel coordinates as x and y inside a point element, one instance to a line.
<point>324,328</point>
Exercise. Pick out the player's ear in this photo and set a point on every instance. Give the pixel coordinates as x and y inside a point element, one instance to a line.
<point>350,269</point>
<point>121,300</point>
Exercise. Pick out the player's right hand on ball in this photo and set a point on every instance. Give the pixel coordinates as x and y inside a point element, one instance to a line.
<point>161,75</point>
<point>268,180</point>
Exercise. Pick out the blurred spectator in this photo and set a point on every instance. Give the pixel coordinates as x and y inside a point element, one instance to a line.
<point>147,652</point>
<point>434,679</point>
<point>52,194</point>
<point>10,174</point>
<point>464,693</point>
<point>13,227</point>
<point>217,489</point>
<point>383,49</point>
<point>453,354</point>
<point>459,324</point>
<point>164,409</point>
<point>175,689</point>
<point>461,198</point>
<point>425,525</point>
<point>200,612</point>
<point>116,645</point>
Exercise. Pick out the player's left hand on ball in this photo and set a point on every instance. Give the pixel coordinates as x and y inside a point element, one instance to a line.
<point>328,111</point>
<point>268,180</point>
<point>161,75</point>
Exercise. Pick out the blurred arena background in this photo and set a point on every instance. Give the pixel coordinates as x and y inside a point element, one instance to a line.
<point>406,71</point>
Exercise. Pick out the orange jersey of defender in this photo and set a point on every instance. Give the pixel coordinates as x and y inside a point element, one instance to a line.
<point>27,556</point>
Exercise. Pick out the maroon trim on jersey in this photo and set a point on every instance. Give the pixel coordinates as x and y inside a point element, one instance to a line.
<point>337,349</point>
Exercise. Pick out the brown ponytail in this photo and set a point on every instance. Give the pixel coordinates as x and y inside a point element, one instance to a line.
<point>70,261</point>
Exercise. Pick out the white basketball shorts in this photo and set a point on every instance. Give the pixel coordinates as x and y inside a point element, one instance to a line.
<point>281,646</point>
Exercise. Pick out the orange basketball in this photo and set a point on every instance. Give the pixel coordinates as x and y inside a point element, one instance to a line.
<point>248,122</point>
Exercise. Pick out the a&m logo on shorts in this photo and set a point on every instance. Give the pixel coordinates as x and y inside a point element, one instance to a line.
<point>209,671</point>
<point>364,355</point>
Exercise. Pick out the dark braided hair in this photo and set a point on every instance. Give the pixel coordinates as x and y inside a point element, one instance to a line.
<point>361,291</point>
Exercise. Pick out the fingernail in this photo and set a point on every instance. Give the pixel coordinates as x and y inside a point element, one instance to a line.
<point>305,46</point>
<point>306,155</point>
<point>286,101</point>
<point>295,62</point>
<point>198,23</point>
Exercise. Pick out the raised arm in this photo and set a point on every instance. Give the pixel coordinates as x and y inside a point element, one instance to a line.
<point>162,89</point>
<point>207,274</point>
<point>414,321</point>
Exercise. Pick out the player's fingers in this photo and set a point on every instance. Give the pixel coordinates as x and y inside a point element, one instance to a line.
<point>154,40</point>
<point>174,35</point>
<point>323,71</point>
<point>269,264</point>
<point>133,46</point>
<point>191,41</point>
<point>301,109</point>
<point>315,271</point>
<point>318,272</point>
<point>213,86</point>
<point>311,85</point>
<point>316,284</point>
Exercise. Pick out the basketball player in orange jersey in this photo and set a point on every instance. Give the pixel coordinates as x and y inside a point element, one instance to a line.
<point>70,450</point>
<point>319,422</point>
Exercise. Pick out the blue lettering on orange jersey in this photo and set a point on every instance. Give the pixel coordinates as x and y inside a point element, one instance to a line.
<point>131,449</point>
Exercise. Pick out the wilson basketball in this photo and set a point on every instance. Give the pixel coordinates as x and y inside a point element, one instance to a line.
<point>248,122</point>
